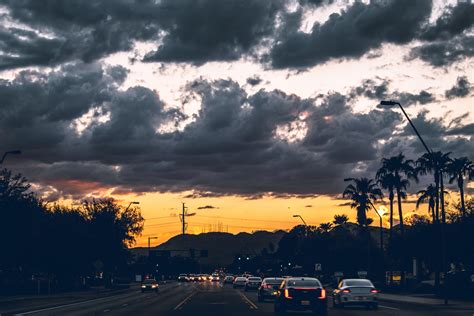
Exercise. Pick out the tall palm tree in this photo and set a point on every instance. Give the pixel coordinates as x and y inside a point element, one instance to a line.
<point>401,170</point>
<point>387,182</point>
<point>436,163</point>
<point>363,192</point>
<point>458,168</point>
<point>429,194</point>
<point>340,219</point>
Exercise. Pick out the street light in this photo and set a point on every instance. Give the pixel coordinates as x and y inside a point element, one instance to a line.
<point>381,227</point>
<point>428,150</point>
<point>131,205</point>
<point>11,152</point>
<point>296,215</point>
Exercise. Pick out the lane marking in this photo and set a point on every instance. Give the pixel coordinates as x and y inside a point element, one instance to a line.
<point>106,310</point>
<point>184,301</point>
<point>248,301</point>
<point>388,307</point>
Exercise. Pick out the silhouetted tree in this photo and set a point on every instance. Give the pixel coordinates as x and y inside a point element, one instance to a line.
<point>325,227</point>
<point>340,219</point>
<point>363,192</point>
<point>387,181</point>
<point>429,194</point>
<point>459,168</point>
<point>401,170</point>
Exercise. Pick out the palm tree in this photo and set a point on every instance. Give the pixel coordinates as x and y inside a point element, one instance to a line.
<point>387,182</point>
<point>363,192</point>
<point>401,170</point>
<point>429,194</point>
<point>325,227</point>
<point>340,219</point>
<point>458,168</point>
<point>436,163</point>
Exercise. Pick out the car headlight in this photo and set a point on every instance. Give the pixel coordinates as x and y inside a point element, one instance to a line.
<point>154,286</point>
<point>143,287</point>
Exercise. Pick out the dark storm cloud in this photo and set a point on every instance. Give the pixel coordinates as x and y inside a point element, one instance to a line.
<point>350,33</point>
<point>200,31</point>
<point>189,31</point>
<point>444,53</point>
<point>452,22</point>
<point>379,89</point>
<point>254,81</point>
<point>460,89</point>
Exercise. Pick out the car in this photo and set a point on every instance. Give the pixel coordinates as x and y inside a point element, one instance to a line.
<point>269,288</point>
<point>229,279</point>
<point>215,277</point>
<point>182,278</point>
<point>253,283</point>
<point>301,294</point>
<point>150,285</point>
<point>355,292</point>
<point>239,282</point>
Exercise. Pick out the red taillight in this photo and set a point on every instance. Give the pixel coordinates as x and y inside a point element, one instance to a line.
<point>268,286</point>
<point>374,291</point>
<point>322,296</point>
<point>346,291</point>
<point>287,294</point>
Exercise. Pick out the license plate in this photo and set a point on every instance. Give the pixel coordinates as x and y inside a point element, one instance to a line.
<point>361,298</point>
<point>305,302</point>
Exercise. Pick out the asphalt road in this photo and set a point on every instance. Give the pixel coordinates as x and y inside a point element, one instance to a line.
<point>183,299</point>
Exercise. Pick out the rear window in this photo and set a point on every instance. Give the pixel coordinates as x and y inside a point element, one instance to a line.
<point>274,281</point>
<point>240,279</point>
<point>304,283</point>
<point>255,279</point>
<point>359,283</point>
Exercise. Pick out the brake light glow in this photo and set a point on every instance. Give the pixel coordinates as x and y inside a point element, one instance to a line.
<point>268,286</point>
<point>346,291</point>
<point>322,296</point>
<point>374,291</point>
<point>287,294</point>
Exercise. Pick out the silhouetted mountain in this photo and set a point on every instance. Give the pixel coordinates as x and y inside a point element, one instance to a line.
<point>222,247</point>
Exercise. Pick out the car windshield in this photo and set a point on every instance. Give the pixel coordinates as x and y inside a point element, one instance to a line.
<point>149,281</point>
<point>365,283</point>
<point>240,279</point>
<point>304,282</point>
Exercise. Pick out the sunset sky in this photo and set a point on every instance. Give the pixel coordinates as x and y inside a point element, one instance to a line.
<point>249,111</point>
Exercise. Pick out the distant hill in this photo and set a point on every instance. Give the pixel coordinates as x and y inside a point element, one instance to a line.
<point>222,247</point>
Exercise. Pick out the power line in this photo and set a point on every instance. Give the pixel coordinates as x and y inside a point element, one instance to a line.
<point>244,219</point>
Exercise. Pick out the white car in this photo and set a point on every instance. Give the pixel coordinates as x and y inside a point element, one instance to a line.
<point>239,282</point>
<point>355,292</point>
<point>253,283</point>
<point>215,277</point>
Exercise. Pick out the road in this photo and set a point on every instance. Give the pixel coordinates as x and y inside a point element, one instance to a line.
<point>183,299</point>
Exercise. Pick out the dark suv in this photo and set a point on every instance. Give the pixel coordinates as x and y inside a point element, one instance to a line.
<point>301,294</point>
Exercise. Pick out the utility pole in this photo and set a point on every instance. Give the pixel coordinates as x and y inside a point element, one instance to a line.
<point>183,218</point>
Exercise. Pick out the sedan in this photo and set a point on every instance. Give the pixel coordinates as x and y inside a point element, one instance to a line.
<point>239,282</point>
<point>269,288</point>
<point>150,285</point>
<point>301,294</point>
<point>253,283</point>
<point>229,279</point>
<point>355,292</point>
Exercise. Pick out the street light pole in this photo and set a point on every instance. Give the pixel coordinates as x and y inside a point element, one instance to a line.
<point>126,209</point>
<point>11,152</point>
<point>443,236</point>
<point>149,246</point>
<point>381,227</point>
<point>301,219</point>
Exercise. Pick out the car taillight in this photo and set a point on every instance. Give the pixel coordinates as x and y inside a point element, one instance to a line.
<point>374,291</point>
<point>322,295</point>
<point>346,291</point>
<point>268,286</point>
<point>287,294</point>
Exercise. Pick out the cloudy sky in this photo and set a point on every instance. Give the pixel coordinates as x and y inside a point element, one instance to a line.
<point>247,110</point>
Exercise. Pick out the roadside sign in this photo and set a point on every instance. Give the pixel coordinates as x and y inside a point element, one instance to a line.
<point>318,267</point>
<point>362,274</point>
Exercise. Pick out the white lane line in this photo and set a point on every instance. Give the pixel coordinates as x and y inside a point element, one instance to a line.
<point>184,301</point>
<point>66,305</point>
<point>125,304</point>
<point>106,310</point>
<point>248,301</point>
<point>388,307</point>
